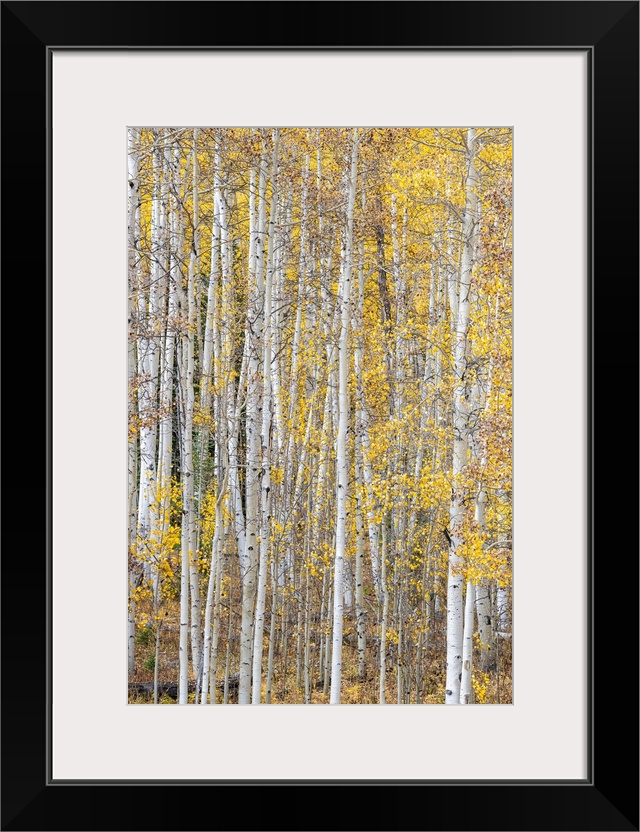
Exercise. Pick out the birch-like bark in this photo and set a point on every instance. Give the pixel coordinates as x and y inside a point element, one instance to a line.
<point>460,439</point>
<point>321,625</point>
<point>280,258</point>
<point>483,602</point>
<point>299,634</point>
<point>287,568</point>
<point>211,335</point>
<point>186,456</point>
<point>253,347</point>
<point>212,588</point>
<point>385,617</point>
<point>131,628</point>
<point>502,607</point>
<point>215,633</point>
<point>188,574</point>
<point>234,405</point>
<point>189,493</point>
<point>466,690</point>
<point>327,643</point>
<point>210,348</point>
<point>485,626</point>
<point>399,628</point>
<point>307,636</point>
<point>267,404</point>
<point>272,630</point>
<point>302,271</point>
<point>158,629</point>
<point>255,324</point>
<point>165,427</point>
<point>362,433</point>
<point>342,464</point>
<point>146,367</point>
<point>227,664</point>
<point>361,614</point>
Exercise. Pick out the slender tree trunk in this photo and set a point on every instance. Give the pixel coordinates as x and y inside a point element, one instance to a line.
<point>299,631</point>
<point>189,485</point>
<point>212,592</point>
<point>321,628</point>
<point>400,653</point>
<point>483,603</point>
<point>255,318</point>
<point>361,615</point>
<point>146,369</point>
<point>272,630</point>
<point>266,437</point>
<point>215,636</point>
<point>327,644</point>
<point>385,617</point>
<point>156,660</point>
<point>183,691</point>
<point>460,442</point>
<point>341,443</point>
<point>285,645</point>
<point>307,626</point>
<point>227,664</point>
<point>466,690</point>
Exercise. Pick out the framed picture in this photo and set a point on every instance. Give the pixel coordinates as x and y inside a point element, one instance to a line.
<point>563,77</point>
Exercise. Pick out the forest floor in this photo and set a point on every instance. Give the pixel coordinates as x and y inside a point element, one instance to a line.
<point>493,687</point>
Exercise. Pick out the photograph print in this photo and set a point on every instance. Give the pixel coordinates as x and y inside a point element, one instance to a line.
<point>319,415</point>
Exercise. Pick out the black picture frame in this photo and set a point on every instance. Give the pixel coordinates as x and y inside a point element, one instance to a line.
<point>608,798</point>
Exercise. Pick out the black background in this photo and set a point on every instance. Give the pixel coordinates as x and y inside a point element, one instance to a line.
<point>609,800</point>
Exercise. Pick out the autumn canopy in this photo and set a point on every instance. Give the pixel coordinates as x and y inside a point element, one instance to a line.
<point>320,387</point>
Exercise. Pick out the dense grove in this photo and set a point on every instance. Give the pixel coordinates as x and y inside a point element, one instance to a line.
<point>320,415</point>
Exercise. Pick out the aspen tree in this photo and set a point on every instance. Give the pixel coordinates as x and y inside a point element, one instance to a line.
<point>255,324</point>
<point>460,429</point>
<point>342,465</point>
<point>265,433</point>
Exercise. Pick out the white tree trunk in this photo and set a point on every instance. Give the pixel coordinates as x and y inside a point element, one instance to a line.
<point>131,630</point>
<point>165,441</point>
<point>483,601</point>
<point>233,408</point>
<point>361,614</point>
<point>272,629</point>
<point>485,626</point>
<point>466,689</point>
<point>503,607</point>
<point>213,591</point>
<point>385,617</point>
<point>280,256</point>
<point>267,404</point>
<point>327,643</point>
<point>188,574</point>
<point>362,434</point>
<point>189,493</point>
<point>257,239</point>
<point>183,686</point>
<point>342,463</point>
<point>460,439</point>
<point>146,368</point>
